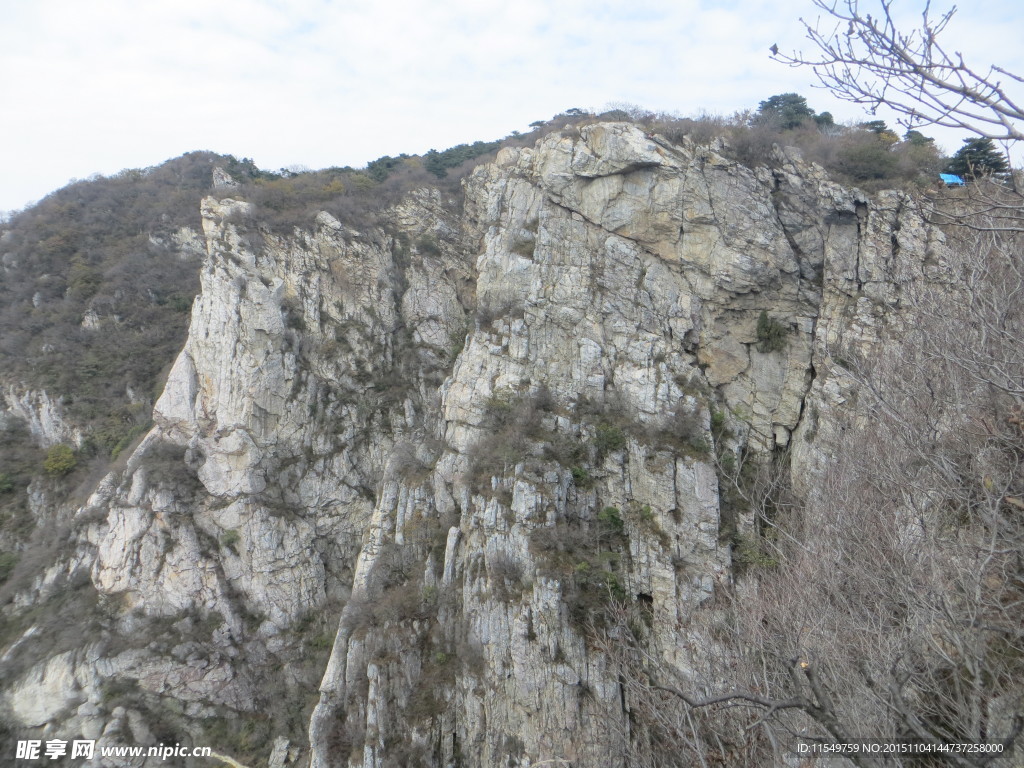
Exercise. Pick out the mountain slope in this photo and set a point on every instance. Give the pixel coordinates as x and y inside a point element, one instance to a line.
<point>402,480</point>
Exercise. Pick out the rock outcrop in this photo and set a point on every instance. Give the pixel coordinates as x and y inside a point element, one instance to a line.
<point>438,448</point>
<point>43,415</point>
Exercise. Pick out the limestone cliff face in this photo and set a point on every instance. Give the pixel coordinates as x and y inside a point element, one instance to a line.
<point>414,435</point>
<point>44,417</point>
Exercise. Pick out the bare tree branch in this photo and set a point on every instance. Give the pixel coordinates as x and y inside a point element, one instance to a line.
<point>868,60</point>
<point>891,605</point>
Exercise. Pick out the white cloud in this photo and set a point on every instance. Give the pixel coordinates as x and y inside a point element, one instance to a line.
<point>109,84</point>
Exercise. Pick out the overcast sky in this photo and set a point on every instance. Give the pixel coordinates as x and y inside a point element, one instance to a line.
<point>94,86</point>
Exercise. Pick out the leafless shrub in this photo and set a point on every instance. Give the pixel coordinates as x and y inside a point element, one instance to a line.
<point>866,58</point>
<point>495,307</point>
<point>167,464</point>
<point>753,145</point>
<point>682,430</point>
<point>673,720</point>
<point>892,604</point>
<point>506,576</point>
<point>396,565</point>
<point>407,463</point>
<point>471,657</point>
<point>515,428</point>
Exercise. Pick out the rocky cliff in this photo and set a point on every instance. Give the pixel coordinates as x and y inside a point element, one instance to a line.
<point>399,477</point>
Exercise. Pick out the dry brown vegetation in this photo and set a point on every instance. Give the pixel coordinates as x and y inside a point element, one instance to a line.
<point>888,602</point>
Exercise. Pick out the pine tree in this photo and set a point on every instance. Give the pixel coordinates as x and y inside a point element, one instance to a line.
<point>976,158</point>
<point>787,110</point>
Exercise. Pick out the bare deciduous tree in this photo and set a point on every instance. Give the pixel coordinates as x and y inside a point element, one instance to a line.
<point>869,60</point>
<point>890,602</point>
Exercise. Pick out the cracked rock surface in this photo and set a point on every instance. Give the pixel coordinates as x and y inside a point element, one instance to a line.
<point>330,444</point>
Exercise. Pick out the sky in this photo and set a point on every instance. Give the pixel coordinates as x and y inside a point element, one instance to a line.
<point>98,86</point>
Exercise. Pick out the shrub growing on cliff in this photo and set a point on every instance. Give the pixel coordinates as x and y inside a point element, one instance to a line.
<point>611,522</point>
<point>492,308</point>
<point>229,540</point>
<point>515,428</point>
<point>587,557</point>
<point>683,432</point>
<point>506,573</point>
<point>608,438</point>
<point>7,562</point>
<point>771,334</point>
<point>165,464</point>
<point>60,460</point>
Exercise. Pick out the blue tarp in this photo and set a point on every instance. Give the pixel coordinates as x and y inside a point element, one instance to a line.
<point>951,180</point>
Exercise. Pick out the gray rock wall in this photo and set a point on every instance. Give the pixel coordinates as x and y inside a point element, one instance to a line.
<point>417,431</point>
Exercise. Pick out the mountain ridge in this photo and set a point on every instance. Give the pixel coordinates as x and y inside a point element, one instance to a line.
<point>402,479</point>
